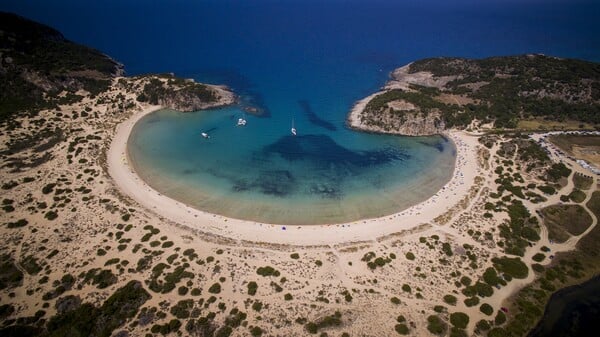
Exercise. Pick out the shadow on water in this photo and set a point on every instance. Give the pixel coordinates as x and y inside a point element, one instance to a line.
<point>314,118</point>
<point>331,164</point>
<point>279,183</point>
<point>573,312</point>
<point>437,143</point>
<point>322,151</point>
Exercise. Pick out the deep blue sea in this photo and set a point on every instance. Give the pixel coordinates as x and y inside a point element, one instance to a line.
<point>304,61</point>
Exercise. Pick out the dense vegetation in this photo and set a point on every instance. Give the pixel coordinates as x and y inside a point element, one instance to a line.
<point>158,91</point>
<point>76,319</point>
<point>506,89</point>
<point>37,60</point>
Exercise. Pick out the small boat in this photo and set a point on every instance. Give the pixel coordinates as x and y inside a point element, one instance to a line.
<point>205,135</point>
<point>293,128</point>
<point>241,122</point>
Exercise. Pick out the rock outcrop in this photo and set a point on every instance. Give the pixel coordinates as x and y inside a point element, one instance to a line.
<point>182,95</point>
<point>399,116</point>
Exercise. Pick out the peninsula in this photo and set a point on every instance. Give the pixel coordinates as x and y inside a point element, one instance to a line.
<point>527,92</point>
<point>89,249</point>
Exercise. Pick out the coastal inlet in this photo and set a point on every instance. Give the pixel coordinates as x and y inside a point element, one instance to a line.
<point>262,172</point>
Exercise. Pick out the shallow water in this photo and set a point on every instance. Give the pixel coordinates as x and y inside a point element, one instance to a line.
<point>261,172</point>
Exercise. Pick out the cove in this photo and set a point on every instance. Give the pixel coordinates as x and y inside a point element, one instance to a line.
<point>261,172</point>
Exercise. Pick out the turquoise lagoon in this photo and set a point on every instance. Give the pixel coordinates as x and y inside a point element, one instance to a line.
<point>326,174</point>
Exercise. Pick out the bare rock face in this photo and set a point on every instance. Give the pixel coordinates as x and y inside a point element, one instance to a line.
<point>407,123</point>
<point>420,124</point>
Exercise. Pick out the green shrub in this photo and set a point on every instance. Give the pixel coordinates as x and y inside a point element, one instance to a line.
<point>472,301</point>
<point>538,268</point>
<point>500,318</point>
<point>497,332</point>
<point>112,261</point>
<point>252,287</point>
<point>51,215</point>
<point>450,299</point>
<point>215,288</point>
<point>486,309</point>
<point>19,223</point>
<point>267,271</point>
<point>447,249</point>
<point>483,289</point>
<point>182,309</point>
<point>513,267</point>
<point>483,325</point>
<point>30,265</point>
<point>295,256</point>
<point>459,319</point>
<point>456,332</point>
<point>256,331</point>
<point>257,306</point>
<point>48,188</point>
<point>547,189</point>
<point>435,325</point>
<point>401,329</point>
<point>410,256</point>
<point>490,276</point>
<point>539,257</point>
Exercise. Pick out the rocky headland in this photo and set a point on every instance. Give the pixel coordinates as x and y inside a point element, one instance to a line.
<point>428,96</point>
<point>41,69</point>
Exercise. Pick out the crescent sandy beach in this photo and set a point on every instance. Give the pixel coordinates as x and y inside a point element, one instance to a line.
<point>369,229</point>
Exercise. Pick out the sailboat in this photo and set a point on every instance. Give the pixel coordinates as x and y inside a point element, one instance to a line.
<point>242,121</point>
<point>293,128</point>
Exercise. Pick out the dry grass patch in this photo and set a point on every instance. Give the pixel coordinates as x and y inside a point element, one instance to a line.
<point>563,221</point>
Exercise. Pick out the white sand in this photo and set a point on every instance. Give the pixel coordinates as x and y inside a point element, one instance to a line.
<point>131,184</point>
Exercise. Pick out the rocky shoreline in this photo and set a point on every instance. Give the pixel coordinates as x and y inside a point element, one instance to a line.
<point>408,121</point>
<point>184,95</point>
